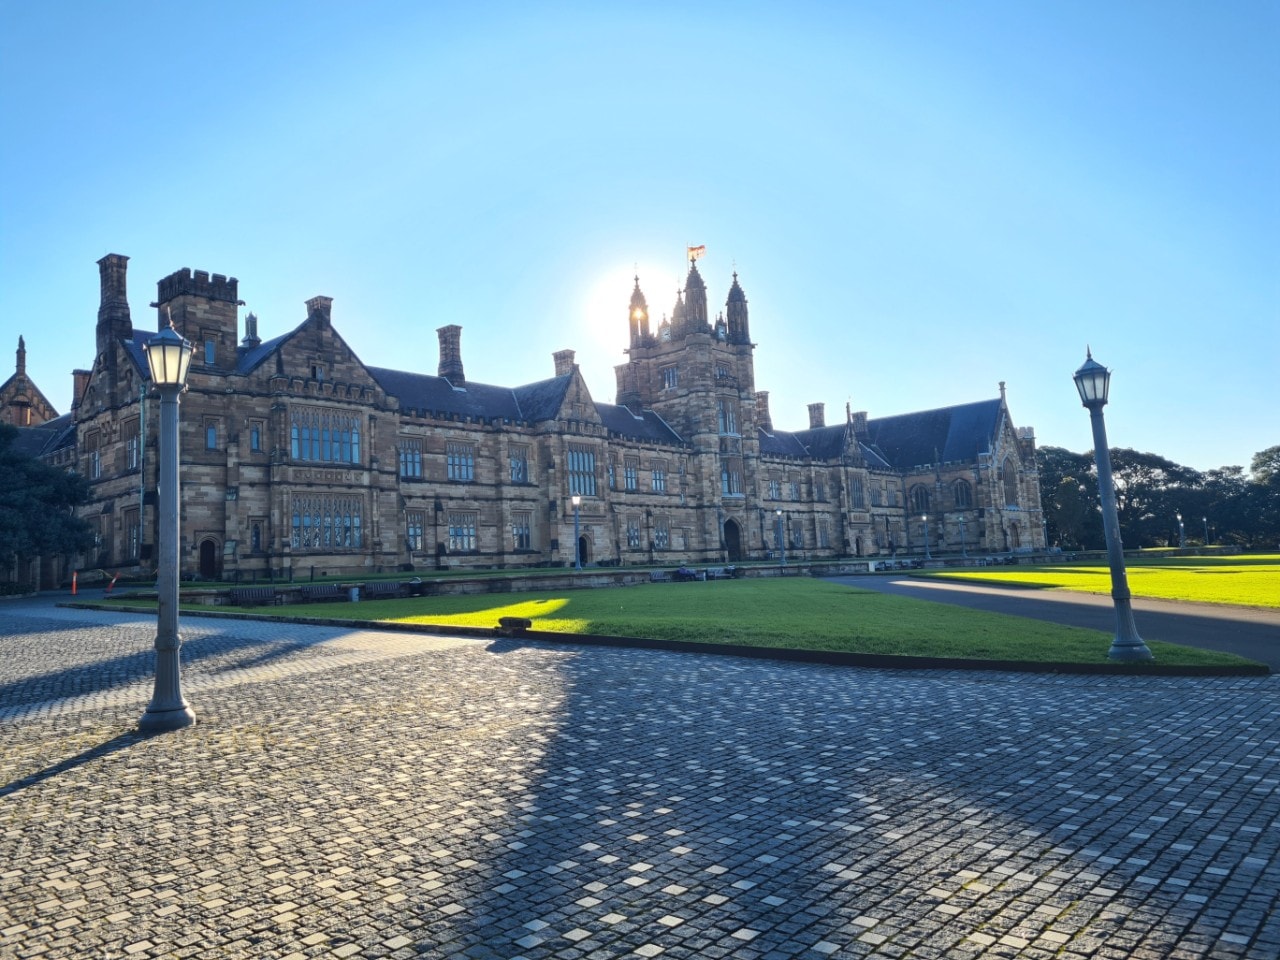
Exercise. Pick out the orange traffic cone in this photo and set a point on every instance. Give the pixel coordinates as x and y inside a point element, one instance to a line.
<point>73,583</point>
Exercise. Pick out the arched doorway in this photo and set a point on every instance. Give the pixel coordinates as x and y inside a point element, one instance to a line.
<point>208,559</point>
<point>584,551</point>
<point>732,541</point>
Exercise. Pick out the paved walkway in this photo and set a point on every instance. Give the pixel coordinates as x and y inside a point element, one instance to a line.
<point>1251,632</point>
<point>367,794</point>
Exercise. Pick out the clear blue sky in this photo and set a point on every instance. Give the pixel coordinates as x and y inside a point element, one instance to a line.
<point>921,199</point>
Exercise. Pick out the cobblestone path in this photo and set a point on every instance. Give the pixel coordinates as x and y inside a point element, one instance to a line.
<point>368,794</point>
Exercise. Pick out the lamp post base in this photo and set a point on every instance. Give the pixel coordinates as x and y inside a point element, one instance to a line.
<point>162,721</point>
<point>1120,650</point>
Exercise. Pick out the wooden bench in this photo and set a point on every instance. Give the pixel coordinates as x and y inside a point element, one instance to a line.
<point>383,589</point>
<point>658,576</point>
<point>255,596</point>
<point>322,591</point>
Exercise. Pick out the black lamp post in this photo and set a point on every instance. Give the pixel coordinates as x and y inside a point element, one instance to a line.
<point>1093,380</point>
<point>1205,521</point>
<point>782,543</point>
<point>964,547</point>
<point>1182,531</point>
<point>168,356</point>
<point>924,522</point>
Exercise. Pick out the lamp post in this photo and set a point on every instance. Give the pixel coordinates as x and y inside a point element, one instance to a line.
<point>1205,521</point>
<point>577,545</point>
<point>1182,531</point>
<point>168,356</point>
<point>964,548</point>
<point>924,522</point>
<point>782,544</point>
<point>1093,381</point>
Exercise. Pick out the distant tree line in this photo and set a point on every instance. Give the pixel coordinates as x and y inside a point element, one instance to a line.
<point>1223,506</point>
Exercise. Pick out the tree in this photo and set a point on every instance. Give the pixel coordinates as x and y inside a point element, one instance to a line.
<point>37,506</point>
<point>1072,515</point>
<point>1265,465</point>
<point>1150,492</point>
<point>1262,498</point>
<point>1069,508</point>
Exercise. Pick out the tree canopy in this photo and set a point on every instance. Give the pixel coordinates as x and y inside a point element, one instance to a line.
<point>1219,506</point>
<point>37,506</point>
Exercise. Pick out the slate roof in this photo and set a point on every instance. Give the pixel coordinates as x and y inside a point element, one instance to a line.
<point>47,437</point>
<point>901,442</point>
<point>645,426</point>
<point>781,444</point>
<point>935,436</point>
<point>249,358</point>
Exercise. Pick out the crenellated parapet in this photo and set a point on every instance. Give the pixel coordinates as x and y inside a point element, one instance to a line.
<point>199,283</point>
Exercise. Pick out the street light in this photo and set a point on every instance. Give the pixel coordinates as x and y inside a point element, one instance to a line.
<point>168,356</point>
<point>1093,381</point>
<point>577,545</point>
<point>924,522</point>
<point>964,548</point>
<point>1182,532</point>
<point>1205,521</point>
<point>782,544</point>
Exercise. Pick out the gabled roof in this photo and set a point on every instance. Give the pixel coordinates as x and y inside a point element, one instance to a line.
<point>542,400</point>
<point>824,443</point>
<point>249,358</point>
<point>935,436</point>
<point>646,425</point>
<point>47,437</point>
<point>133,349</point>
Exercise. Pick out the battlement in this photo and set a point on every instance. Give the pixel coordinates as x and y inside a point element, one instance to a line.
<point>198,284</point>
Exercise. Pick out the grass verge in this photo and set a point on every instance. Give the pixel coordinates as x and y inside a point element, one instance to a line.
<point>1238,581</point>
<point>791,614</point>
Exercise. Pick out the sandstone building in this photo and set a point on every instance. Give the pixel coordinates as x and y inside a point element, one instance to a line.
<point>299,459</point>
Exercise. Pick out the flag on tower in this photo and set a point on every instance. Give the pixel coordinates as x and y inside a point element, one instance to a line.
<point>696,252</point>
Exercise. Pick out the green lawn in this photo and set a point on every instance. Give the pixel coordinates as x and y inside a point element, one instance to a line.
<point>1252,581</point>
<point>791,613</point>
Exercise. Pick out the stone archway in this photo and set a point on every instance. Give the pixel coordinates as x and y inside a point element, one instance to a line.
<point>584,550</point>
<point>208,559</point>
<point>732,541</point>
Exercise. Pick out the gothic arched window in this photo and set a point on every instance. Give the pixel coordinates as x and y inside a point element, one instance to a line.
<point>920,498</point>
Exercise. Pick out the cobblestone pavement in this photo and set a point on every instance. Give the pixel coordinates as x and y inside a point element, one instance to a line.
<point>367,794</point>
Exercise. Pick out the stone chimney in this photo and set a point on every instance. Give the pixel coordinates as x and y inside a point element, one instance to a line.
<point>321,308</point>
<point>79,384</point>
<point>859,421</point>
<point>451,353</point>
<point>114,322</point>
<point>251,338</point>
<point>817,415</point>
<point>628,392</point>
<point>564,362</point>
<point>763,417</point>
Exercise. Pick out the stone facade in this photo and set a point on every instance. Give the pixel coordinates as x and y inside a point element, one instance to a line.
<point>297,459</point>
<point>21,402</point>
